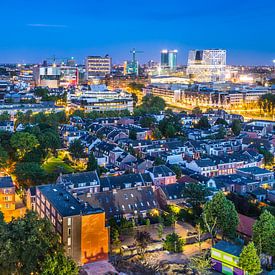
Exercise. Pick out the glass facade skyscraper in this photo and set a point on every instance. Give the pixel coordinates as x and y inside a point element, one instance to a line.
<point>169,59</point>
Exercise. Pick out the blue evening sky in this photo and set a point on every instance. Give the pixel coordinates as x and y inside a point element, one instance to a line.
<point>32,30</point>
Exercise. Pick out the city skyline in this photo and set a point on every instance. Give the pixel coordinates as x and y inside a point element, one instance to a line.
<point>65,29</point>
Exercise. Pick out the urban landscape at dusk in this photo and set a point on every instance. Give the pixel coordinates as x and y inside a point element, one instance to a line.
<point>137,137</point>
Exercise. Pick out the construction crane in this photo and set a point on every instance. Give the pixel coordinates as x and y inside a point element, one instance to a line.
<point>134,52</point>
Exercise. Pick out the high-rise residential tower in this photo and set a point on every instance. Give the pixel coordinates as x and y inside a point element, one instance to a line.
<point>207,65</point>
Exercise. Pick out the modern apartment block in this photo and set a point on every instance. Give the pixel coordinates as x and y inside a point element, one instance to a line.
<point>81,227</point>
<point>97,66</point>
<point>207,65</point>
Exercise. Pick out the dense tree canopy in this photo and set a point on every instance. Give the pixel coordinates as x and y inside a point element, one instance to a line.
<point>76,149</point>
<point>29,174</point>
<point>249,260</point>
<point>173,243</point>
<point>217,213</point>
<point>264,232</point>
<point>236,127</point>
<point>29,245</point>
<point>23,142</point>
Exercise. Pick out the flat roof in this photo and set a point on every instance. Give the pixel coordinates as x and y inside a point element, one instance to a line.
<point>255,170</point>
<point>229,248</point>
<point>65,203</point>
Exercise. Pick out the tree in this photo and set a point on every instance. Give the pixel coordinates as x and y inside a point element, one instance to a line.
<point>4,157</point>
<point>170,131</point>
<point>76,149</point>
<point>147,121</point>
<point>25,245</point>
<point>196,195</point>
<point>115,238</point>
<point>49,140</point>
<point>160,230</point>
<point>177,170</point>
<point>221,212</point>
<point>264,232</point>
<point>29,174</point>
<point>157,133</point>
<point>158,161</point>
<point>174,243</point>
<point>221,133</point>
<point>92,163</point>
<point>133,134</point>
<point>196,111</point>
<point>5,116</point>
<point>152,104</point>
<point>142,239</point>
<point>59,264</point>
<point>202,264</point>
<point>23,142</point>
<point>221,121</point>
<point>249,260</point>
<point>268,157</point>
<point>203,123</point>
<point>236,127</point>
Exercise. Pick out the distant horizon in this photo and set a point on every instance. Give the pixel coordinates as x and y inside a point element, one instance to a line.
<point>116,61</point>
<point>32,31</point>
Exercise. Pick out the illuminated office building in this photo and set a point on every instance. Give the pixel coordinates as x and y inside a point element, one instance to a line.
<point>97,66</point>
<point>207,65</point>
<point>169,59</point>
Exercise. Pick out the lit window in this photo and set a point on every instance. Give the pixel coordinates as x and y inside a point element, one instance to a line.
<point>69,241</point>
<point>69,221</point>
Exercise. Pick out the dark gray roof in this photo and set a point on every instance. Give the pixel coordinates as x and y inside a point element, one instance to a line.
<point>204,162</point>
<point>229,248</point>
<point>162,170</point>
<point>65,203</point>
<point>173,191</point>
<point>124,201</point>
<point>88,178</point>
<point>255,170</point>
<point>120,182</point>
<point>6,182</point>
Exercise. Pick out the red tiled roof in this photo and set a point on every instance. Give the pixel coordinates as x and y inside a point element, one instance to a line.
<point>245,225</point>
<point>187,179</point>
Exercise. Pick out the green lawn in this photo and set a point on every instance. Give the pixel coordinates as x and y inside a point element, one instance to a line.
<point>53,164</point>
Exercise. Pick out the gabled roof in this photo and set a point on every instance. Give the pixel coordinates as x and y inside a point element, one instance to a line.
<point>6,182</point>
<point>245,225</point>
<point>124,201</point>
<point>204,162</point>
<point>161,171</point>
<point>75,179</point>
<point>120,182</point>
<point>173,191</point>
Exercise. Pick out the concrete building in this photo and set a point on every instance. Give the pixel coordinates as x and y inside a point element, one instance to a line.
<point>207,65</point>
<point>81,227</point>
<point>98,98</point>
<point>97,66</point>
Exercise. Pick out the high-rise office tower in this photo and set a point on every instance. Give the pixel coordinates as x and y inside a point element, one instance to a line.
<point>97,66</point>
<point>207,65</point>
<point>169,59</point>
